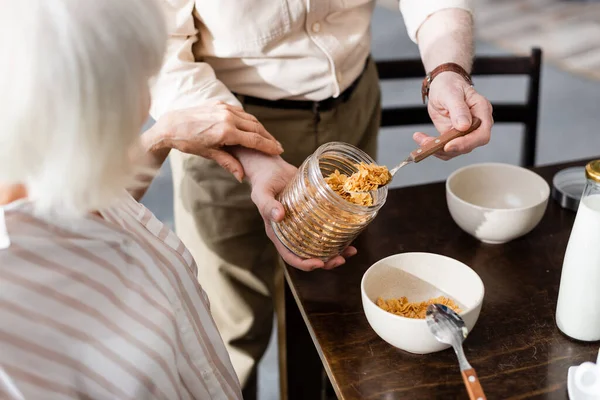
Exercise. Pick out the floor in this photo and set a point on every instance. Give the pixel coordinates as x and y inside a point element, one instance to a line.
<point>568,130</point>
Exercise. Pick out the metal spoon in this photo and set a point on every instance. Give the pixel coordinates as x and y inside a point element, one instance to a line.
<point>448,327</point>
<point>429,149</point>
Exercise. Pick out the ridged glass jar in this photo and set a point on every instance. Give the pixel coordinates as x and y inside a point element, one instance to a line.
<point>318,222</point>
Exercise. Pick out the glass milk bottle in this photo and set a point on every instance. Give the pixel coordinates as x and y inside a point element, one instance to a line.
<point>578,309</point>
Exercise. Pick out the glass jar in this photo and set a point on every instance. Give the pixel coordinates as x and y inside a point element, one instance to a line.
<point>578,308</point>
<point>318,222</point>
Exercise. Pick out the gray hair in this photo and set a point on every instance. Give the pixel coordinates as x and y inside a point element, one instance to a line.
<point>74,94</point>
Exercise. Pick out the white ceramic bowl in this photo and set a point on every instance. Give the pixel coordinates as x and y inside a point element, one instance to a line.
<point>387,279</point>
<point>496,203</point>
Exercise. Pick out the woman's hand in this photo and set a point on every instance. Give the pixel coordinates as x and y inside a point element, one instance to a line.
<point>208,131</point>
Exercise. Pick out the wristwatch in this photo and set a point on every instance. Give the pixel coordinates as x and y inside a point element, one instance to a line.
<point>451,67</point>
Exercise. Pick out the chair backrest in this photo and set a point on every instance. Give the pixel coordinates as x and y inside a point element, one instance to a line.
<point>525,113</point>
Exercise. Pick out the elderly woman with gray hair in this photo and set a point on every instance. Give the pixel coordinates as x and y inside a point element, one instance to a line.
<point>98,299</point>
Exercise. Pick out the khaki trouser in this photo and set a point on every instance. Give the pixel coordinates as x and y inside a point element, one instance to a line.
<point>216,219</point>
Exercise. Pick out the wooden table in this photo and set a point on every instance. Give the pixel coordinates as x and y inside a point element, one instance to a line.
<point>515,346</point>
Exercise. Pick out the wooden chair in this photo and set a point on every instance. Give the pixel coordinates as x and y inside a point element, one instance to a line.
<point>526,114</point>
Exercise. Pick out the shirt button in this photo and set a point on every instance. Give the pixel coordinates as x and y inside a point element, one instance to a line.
<point>316,27</point>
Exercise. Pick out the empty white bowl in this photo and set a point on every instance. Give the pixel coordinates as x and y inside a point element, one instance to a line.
<point>496,203</point>
<point>387,279</point>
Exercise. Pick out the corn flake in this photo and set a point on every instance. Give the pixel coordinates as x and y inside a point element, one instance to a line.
<point>404,308</point>
<point>356,188</point>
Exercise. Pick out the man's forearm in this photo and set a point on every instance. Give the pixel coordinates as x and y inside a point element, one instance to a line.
<point>447,36</point>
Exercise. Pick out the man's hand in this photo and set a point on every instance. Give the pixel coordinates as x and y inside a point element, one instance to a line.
<point>452,103</point>
<point>268,176</point>
<point>208,131</point>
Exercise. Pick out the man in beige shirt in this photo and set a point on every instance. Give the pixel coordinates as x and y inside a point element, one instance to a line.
<point>302,68</point>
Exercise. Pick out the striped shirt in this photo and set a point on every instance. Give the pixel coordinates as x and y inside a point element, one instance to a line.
<point>104,308</point>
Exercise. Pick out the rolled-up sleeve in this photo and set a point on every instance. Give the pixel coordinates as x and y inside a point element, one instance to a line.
<point>415,12</point>
<point>183,82</point>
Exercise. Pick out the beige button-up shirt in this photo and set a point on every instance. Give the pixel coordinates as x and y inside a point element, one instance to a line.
<point>272,49</point>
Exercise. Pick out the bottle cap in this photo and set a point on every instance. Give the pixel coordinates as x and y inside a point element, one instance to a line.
<point>592,171</point>
<point>567,187</point>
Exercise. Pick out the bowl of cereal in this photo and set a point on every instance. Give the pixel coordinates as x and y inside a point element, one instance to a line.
<point>397,290</point>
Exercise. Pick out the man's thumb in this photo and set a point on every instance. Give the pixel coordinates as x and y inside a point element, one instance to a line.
<point>276,211</point>
<point>459,111</point>
<point>269,207</point>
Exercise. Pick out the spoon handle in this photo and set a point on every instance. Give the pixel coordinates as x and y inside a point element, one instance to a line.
<point>473,385</point>
<point>436,145</point>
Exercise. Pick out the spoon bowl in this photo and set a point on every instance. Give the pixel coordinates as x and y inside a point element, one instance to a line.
<point>448,327</point>
<point>429,149</point>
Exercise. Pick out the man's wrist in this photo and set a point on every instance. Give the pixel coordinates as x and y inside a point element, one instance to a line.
<point>252,161</point>
<point>247,158</point>
<point>444,69</point>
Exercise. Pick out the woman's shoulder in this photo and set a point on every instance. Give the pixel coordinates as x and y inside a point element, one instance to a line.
<point>139,221</point>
